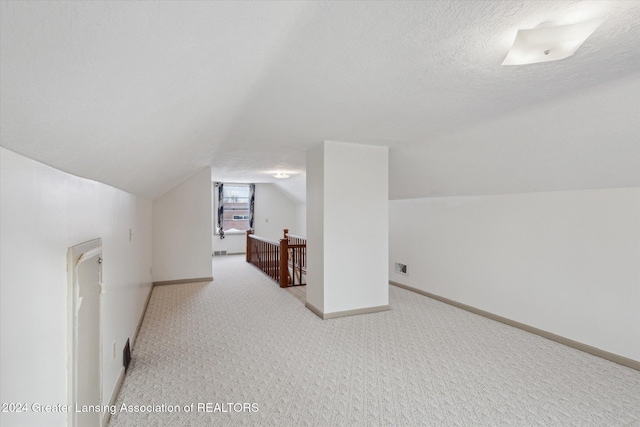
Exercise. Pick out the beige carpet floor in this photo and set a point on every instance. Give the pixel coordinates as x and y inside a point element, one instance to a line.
<point>243,340</point>
<point>299,292</point>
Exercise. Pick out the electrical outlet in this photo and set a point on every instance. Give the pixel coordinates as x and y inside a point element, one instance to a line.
<point>401,269</point>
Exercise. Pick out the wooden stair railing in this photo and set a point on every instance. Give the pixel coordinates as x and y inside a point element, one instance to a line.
<point>297,258</point>
<point>264,254</point>
<point>284,261</point>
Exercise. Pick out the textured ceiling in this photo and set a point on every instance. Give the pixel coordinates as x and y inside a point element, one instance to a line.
<point>140,95</point>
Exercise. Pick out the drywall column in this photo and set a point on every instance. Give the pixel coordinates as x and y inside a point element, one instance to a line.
<point>347,229</point>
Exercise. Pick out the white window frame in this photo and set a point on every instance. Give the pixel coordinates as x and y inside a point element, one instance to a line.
<point>216,229</point>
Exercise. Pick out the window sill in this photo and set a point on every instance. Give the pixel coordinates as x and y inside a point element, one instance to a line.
<point>231,233</point>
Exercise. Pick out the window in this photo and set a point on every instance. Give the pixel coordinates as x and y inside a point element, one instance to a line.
<point>234,208</point>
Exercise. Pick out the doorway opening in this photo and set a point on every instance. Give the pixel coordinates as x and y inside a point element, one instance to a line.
<point>84,266</point>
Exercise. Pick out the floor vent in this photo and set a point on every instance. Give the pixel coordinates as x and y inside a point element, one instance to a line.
<point>219,253</point>
<point>126,356</point>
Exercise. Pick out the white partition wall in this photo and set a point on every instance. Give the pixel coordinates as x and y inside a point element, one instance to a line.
<point>315,229</point>
<point>182,230</point>
<point>347,229</point>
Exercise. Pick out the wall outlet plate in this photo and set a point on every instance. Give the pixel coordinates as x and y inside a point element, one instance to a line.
<point>401,268</point>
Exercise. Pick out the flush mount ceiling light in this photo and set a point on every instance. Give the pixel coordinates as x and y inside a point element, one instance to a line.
<point>281,175</point>
<point>549,42</point>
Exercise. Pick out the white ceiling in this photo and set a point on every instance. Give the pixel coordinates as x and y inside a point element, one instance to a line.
<point>140,95</point>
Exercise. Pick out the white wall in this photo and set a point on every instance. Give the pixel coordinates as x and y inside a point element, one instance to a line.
<point>565,262</point>
<point>315,229</point>
<point>182,229</point>
<point>301,220</point>
<point>44,211</point>
<point>273,212</point>
<point>353,226</point>
<point>232,243</point>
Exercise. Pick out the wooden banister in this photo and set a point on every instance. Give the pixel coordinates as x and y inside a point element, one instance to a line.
<point>248,252</point>
<point>284,261</point>
<point>264,254</point>
<point>262,239</point>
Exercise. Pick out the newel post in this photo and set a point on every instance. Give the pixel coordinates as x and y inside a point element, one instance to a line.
<point>284,265</point>
<point>286,232</point>
<point>248,251</point>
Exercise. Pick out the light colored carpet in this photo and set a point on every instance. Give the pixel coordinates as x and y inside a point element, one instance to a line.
<point>243,339</point>
<point>299,292</point>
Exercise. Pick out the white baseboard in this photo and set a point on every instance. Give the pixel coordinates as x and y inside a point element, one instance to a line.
<point>621,360</point>
<point>182,281</point>
<point>337,314</point>
<point>144,310</point>
<point>116,389</point>
<point>114,395</point>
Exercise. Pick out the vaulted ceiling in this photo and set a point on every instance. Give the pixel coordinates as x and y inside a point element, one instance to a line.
<point>141,95</point>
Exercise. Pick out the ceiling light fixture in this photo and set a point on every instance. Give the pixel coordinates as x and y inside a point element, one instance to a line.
<point>549,42</point>
<point>281,175</point>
